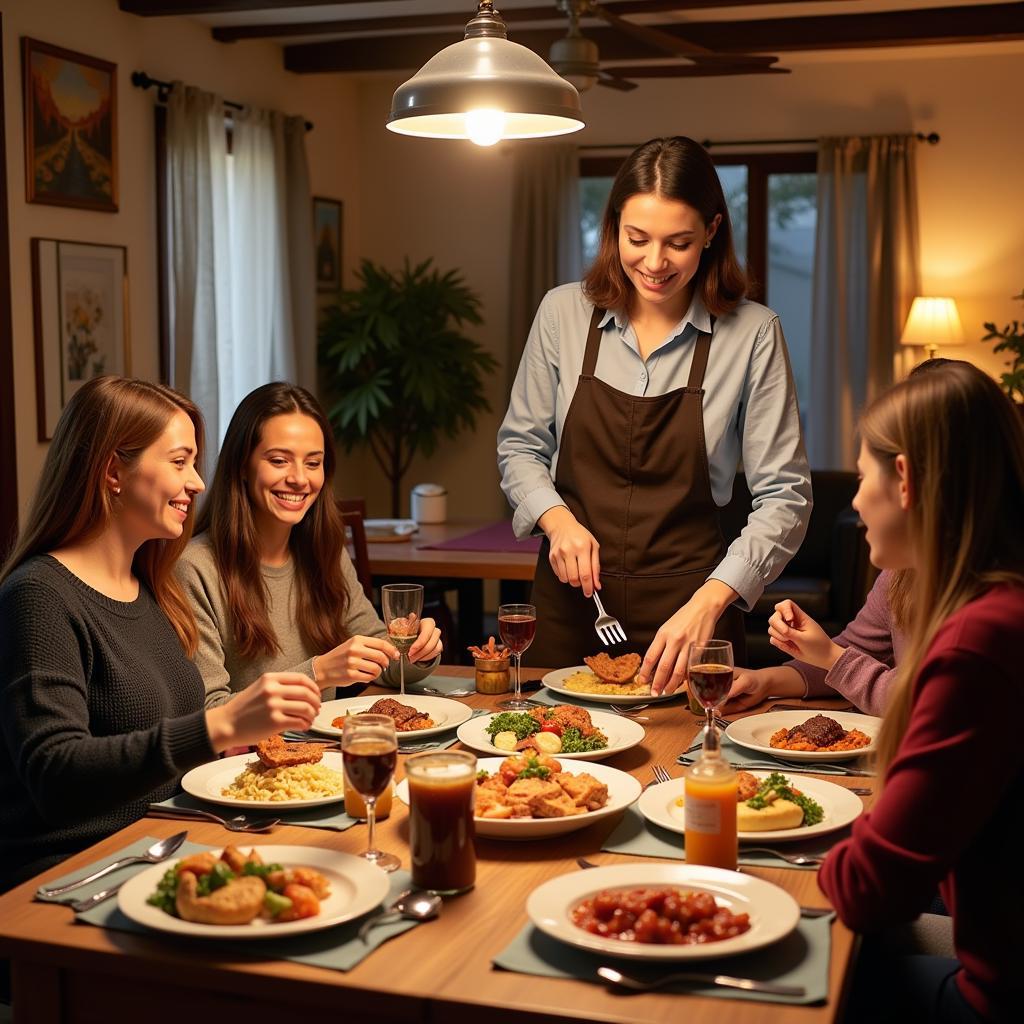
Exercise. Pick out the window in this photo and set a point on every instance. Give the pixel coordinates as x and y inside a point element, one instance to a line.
<point>772,200</point>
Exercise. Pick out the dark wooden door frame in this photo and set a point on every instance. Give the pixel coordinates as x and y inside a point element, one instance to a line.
<point>8,440</point>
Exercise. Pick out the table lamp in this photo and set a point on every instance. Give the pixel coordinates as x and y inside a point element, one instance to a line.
<point>933,321</point>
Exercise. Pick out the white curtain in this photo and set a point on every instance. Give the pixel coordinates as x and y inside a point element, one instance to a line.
<point>546,247</point>
<point>866,274</point>
<point>241,238</point>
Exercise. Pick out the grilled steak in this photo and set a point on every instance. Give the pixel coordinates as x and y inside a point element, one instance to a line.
<point>819,730</point>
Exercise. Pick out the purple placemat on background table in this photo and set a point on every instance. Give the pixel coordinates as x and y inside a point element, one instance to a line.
<point>496,537</point>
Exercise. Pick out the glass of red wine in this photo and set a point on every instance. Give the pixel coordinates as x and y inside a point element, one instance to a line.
<point>710,667</point>
<point>369,749</point>
<point>517,624</point>
<point>402,604</point>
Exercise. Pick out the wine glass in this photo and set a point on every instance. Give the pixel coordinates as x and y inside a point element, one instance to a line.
<point>403,608</point>
<point>369,749</point>
<point>517,624</point>
<point>709,669</point>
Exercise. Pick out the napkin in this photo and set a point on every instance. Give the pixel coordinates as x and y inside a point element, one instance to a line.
<point>743,758</point>
<point>802,958</point>
<point>637,836</point>
<point>338,948</point>
<point>330,816</point>
<point>443,683</point>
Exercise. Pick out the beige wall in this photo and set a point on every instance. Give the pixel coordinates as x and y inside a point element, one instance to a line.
<point>451,200</point>
<point>168,48</point>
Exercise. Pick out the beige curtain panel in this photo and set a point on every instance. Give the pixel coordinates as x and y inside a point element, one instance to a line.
<point>866,274</point>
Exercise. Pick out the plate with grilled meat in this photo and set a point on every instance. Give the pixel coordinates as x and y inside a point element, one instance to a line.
<point>415,716</point>
<point>809,735</point>
<point>603,680</point>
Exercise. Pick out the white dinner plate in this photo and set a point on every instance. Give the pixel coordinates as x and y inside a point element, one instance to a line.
<point>773,912</point>
<point>357,886</point>
<point>207,782</point>
<point>623,789</point>
<point>754,732</point>
<point>622,734</point>
<point>446,713</point>
<point>554,680</point>
<point>658,805</point>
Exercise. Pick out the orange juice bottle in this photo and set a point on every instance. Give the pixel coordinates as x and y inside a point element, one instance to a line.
<point>710,804</point>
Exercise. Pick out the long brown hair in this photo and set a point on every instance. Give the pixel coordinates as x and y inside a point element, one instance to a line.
<point>108,416</point>
<point>673,168</point>
<point>964,445</point>
<point>316,543</point>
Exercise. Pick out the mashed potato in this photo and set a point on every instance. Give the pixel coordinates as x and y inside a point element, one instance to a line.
<point>300,782</point>
<point>587,682</point>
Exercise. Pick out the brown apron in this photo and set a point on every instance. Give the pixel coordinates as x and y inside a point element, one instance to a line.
<point>634,471</point>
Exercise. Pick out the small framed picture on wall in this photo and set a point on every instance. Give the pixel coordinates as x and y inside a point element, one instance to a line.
<point>70,128</point>
<point>327,239</point>
<point>80,312</point>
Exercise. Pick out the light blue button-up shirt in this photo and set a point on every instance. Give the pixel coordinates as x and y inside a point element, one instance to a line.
<point>750,414</point>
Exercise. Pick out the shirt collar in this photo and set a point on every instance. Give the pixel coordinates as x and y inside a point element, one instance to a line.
<point>697,315</point>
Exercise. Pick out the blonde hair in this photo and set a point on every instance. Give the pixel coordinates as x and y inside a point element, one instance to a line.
<point>108,416</point>
<point>963,441</point>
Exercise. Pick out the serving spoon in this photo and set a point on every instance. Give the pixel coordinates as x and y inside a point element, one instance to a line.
<point>414,904</point>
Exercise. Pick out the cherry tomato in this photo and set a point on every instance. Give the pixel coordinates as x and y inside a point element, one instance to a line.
<point>551,727</point>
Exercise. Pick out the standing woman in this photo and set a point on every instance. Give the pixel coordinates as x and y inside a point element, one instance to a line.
<point>101,708</point>
<point>941,494</point>
<point>268,577</point>
<point>639,391</point>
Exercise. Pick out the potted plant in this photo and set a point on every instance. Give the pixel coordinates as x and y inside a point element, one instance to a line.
<point>398,370</point>
<point>1010,340</point>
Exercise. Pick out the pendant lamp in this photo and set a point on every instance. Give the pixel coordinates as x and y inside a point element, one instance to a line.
<point>485,88</point>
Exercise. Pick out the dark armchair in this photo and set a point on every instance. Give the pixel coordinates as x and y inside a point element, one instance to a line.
<point>829,576</point>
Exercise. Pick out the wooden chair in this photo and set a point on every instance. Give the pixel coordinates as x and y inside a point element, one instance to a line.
<point>353,512</point>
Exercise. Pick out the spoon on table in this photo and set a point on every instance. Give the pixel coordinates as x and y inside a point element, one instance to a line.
<point>414,904</point>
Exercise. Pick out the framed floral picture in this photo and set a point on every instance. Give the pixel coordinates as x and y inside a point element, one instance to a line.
<point>327,235</point>
<point>80,310</point>
<point>70,127</point>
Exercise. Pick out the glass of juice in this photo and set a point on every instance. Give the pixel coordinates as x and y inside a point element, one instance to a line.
<point>369,749</point>
<point>442,792</point>
<point>402,604</point>
<point>517,624</point>
<point>709,668</point>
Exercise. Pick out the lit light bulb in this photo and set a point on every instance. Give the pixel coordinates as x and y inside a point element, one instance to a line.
<point>485,127</point>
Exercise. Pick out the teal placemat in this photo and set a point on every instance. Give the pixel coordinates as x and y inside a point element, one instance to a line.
<point>546,696</point>
<point>802,958</point>
<point>637,836</point>
<point>741,757</point>
<point>445,684</point>
<point>330,816</point>
<point>338,948</point>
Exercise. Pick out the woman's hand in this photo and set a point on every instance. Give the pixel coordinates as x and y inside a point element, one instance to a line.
<point>751,687</point>
<point>275,702</point>
<point>428,642</point>
<point>793,631</point>
<point>360,659</point>
<point>574,550</point>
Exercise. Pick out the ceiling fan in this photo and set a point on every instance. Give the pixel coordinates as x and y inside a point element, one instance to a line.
<point>576,58</point>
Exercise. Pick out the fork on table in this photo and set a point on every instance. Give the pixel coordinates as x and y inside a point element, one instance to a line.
<point>609,629</point>
<point>240,823</point>
<point>660,773</point>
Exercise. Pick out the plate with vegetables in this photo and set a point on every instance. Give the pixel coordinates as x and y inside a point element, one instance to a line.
<point>263,892</point>
<point>771,807</point>
<point>565,731</point>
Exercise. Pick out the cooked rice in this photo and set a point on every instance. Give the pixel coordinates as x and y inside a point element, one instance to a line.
<point>300,782</point>
<point>587,682</point>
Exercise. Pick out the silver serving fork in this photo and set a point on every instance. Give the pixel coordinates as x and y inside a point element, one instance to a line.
<point>608,629</point>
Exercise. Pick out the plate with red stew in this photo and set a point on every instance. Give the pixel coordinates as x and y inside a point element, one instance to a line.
<point>663,911</point>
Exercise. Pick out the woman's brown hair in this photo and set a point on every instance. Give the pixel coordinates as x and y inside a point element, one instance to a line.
<point>673,168</point>
<point>963,442</point>
<point>316,543</point>
<point>108,416</point>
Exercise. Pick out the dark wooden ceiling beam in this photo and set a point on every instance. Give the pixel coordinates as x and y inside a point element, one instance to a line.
<point>171,8</point>
<point>985,23</point>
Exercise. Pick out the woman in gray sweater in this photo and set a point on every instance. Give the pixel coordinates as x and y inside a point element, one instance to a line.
<point>268,577</point>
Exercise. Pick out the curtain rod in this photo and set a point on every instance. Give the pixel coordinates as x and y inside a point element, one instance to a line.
<point>932,138</point>
<point>143,81</point>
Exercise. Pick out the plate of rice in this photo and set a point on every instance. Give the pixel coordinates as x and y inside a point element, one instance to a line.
<point>244,781</point>
<point>579,681</point>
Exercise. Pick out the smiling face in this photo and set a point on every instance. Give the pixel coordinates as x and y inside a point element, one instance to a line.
<point>156,492</point>
<point>285,472</point>
<point>883,502</point>
<point>660,244</point>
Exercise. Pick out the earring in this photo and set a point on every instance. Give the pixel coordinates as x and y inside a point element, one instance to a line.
<point>116,491</point>
<point>707,244</point>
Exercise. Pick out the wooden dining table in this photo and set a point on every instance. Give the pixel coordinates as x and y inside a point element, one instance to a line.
<point>440,971</point>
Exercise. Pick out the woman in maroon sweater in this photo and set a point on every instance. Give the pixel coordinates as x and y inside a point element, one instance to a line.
<point>942,493</point>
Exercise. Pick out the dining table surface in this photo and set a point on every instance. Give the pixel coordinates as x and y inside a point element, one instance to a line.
<point>439,971</point>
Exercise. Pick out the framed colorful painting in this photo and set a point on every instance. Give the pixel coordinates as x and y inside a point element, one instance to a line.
<point>80,309</point>
<point>70,128</point>
<point>327,233</point>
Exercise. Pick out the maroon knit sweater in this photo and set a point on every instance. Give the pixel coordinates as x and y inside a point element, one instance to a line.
<point>952,806</point>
